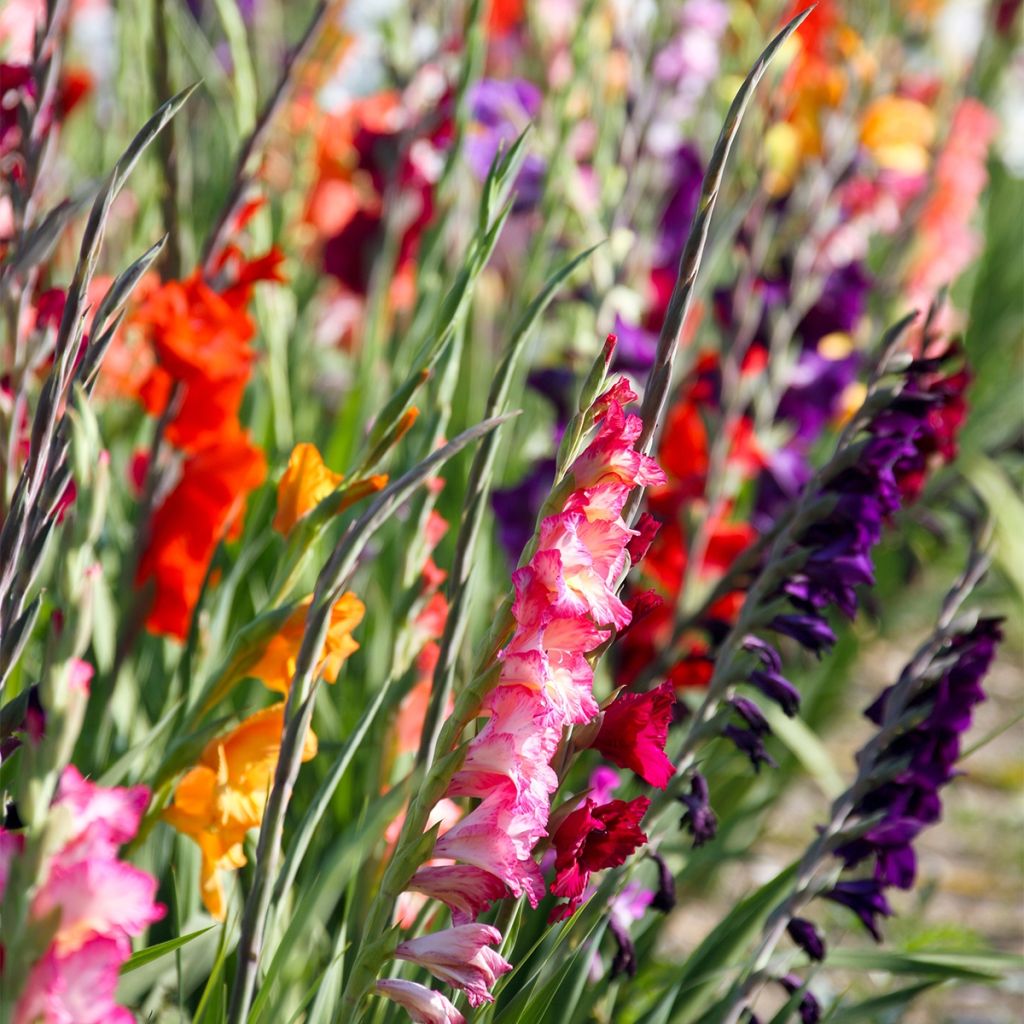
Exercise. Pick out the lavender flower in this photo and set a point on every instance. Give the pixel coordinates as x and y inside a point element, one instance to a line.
<point>501,111</point>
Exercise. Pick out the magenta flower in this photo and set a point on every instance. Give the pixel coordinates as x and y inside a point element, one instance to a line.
<point>591,839</point>
<point>634,731</point>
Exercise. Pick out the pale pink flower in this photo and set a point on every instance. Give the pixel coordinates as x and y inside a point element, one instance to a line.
<point>461,957</point>
<point>465,890</point>
<point>77,988</point>
<point>96,897</point>
<point>425,1006</point>
<point>103,818</point>
<point>496,765</point>
<point>562,679</point>
<point>495,839</point>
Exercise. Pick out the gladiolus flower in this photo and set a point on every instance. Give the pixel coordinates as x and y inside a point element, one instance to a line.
<point>590,839</point>
<point>78,987</point>
<point>461,957</point>
<point>91,903</point>
<point>276,667</point>
<point>424,1005</point>
<point>189,524</point>
<point>225,794</point>
<point>467,891</point>
<point>303,485</point>
<point>634,732</point>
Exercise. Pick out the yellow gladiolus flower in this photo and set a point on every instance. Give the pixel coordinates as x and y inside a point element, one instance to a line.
<point>225,795</point>
<point>304,484</point>
<point>899,132</point>
<point>276,666</point>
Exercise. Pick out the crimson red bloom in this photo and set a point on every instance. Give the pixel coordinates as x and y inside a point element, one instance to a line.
<point>590,839</point>
<point>634,732</point>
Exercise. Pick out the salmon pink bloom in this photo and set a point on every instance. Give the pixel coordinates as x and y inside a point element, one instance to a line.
<point>103,818</point>
<point>96,897</point>
<point>425,1006</point>
<point>610,457</point>
<point>634,732</point>
<point>460,956</point>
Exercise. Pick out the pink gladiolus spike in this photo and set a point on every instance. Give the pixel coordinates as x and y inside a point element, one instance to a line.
<point>563,681</point>
<point>77,988</point>
<point>582,578</point>
<point>494,839</point>
<point>460,957</point>
<point>104,818</point>
<point>610,457</point>
<point>425,1006</point>
<point>542,591</point>
<point>603,502</point>
<point>467,891</point>
<point>634,732</point>
<point>96,897</point>
<point>494,765</point>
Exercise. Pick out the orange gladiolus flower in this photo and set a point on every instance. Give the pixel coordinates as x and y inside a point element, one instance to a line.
<point>303,485</point>
<point>898,131</point>
<point>276,667</point>
<point>225,795</point>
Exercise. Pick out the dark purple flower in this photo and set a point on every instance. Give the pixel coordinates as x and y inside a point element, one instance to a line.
<point>516,508</point>
<point>807,937</point>
<point>687,173</point>
<point>865,898</point>
<point>810,631</point>
<point>699,818</point>
<point>665,895</point>
<point>624,961</point>
<point>751,744</point>
<point>558,385</point>
<point>779,483</point>
<point>815,389</point>
<point>778,688</point>
<point>751,715</point>
<point>810,1008</point>
<point>925,756</point>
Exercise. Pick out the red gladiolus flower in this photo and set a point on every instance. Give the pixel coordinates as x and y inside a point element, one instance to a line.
<point>590,839</point>
<point>634,732</point>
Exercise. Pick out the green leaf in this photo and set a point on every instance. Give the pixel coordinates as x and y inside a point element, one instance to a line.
<point>151,953</point>
<point>718,952</point>
<point>991,966</point>
<point>888,1007</point>
<point>803,743</point>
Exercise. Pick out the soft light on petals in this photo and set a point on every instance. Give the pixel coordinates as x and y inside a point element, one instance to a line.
<point>425,1006</point>
<point>303,485</point>
<point>461,957</point>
